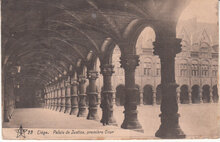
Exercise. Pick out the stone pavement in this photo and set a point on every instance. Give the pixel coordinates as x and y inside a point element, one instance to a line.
<point>197,120</point>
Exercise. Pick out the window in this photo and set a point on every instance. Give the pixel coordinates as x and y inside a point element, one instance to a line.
<point>204,70</point>
<point>195,70</point>
<point>147,71</point>
<point>147,68</point>
<point>214,73</point>
<point>183,72</point>
<point>158,72</point>
<point>183,69</point>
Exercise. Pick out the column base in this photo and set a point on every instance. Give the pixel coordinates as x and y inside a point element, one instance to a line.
<point>67,110</point>
<point>93,115</point>
<point>58,108</point>
<point>73,111</point>
<point>111,120</point>
<point>82,112</point>
<point>133,125</point>
<point>170,133</point>
<point>169,128</point>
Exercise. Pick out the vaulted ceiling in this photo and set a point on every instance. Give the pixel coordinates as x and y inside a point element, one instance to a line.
<point>46,37</point>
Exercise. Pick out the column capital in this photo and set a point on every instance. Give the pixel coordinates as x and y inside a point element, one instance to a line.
<point>167,47</point>
<point>91,74</point>
<point>129,62</point>
<point>82,79</point>
<point>107,69</point>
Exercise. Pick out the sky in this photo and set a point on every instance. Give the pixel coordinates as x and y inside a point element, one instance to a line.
<point>203,10</point>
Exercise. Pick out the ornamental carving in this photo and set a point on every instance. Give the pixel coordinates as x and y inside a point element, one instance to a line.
<point>81,79</point>
<point>92,75</point>
<point>167,47</point>
<point>130,62</point>
<point>107,69</point>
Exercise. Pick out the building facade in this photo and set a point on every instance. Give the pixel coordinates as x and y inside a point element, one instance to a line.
<point>196,67</point>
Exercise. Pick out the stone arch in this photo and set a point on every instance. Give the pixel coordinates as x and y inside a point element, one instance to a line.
<point>206,93</point>
<point>148,95</point>
<point>120,95</point>
<point>215,95</point>
<point>133,31</point>
<point>184,94</point>
<point>158,94</point>
<point>195,94</point>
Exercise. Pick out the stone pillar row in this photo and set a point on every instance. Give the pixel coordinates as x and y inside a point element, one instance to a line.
<point>68,95</point>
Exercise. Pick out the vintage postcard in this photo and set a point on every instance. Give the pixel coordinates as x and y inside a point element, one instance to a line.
<point>110,69</point>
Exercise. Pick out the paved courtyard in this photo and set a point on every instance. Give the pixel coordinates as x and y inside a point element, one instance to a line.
<point>197,120</point>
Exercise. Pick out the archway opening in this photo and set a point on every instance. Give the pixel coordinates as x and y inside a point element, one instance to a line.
<point>184,94</point>
<point>206,94</point>
<point>120,95</point>
<point>148,95</point>
<point>195,94</point>
<point>215,95</point>
<point>99,81</point>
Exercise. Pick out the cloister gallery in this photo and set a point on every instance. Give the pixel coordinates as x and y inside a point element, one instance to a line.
<point>62,52</point>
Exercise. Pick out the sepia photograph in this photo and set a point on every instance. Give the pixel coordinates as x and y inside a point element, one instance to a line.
<point>110,69</point>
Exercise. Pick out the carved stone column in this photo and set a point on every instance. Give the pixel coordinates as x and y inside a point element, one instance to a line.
<point>74,96</point>
<point>141,98</point>
<point>45,98</point>
<point>67,95</point>
<point>55,97</point>
<point>167,48</point>
<point>92,95</point>
<point>190,96</point>
<point>60,97</point>
<point>63,97</point>
<point>211,95</point>
<point>154,96</point>
<point>82,96</point>
<point>129,63</point>
<point>200,95</point>
<point>49,98</point>
<point>107,95</point>
<point>114,98</point>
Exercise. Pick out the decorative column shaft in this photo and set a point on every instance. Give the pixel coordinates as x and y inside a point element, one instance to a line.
<point>74,96</point>
<point>59,97</point>
<point>92,95</point>
<point>55,98</point>
<point>129,63</point>
<point>200,95</point>
<point>52,98</point>
<point>141,98</point>
<point>63,97</point>
<point>82,96</point>
<point>49,98</point>
<point>154,97</point>
<point>107,95</point>
<point>45,98</point>
<point>190,96</point>
<point>167,49</point>
<point>211,95</point>
<point>67,96</point>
